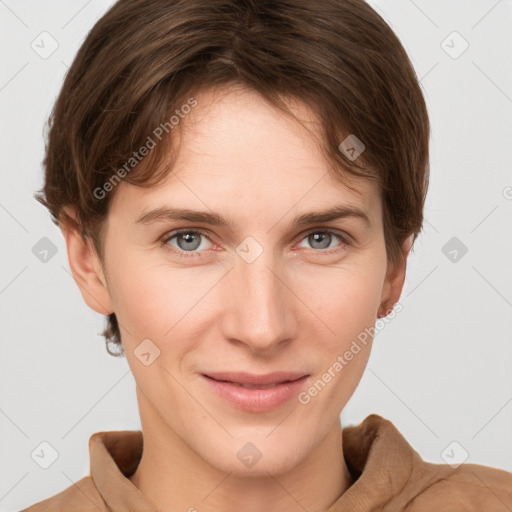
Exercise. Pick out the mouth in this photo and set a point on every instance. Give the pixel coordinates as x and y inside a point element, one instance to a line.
<point>254,381</point>
<point>252,386</point>
<point>256,393</point>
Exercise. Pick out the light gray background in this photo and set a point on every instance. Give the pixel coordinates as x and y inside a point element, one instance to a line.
<point>441,370</point>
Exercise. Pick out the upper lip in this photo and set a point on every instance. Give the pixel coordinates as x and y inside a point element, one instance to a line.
<point>253,379</point>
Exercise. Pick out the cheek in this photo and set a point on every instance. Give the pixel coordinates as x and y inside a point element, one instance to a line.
<point>345,307</point>
<point>157,301</point>
<point>160,301</point>
<point>343,300</point>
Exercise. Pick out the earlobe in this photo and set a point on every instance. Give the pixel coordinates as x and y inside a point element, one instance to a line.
<point>394,282</point>
<point>86,267</point>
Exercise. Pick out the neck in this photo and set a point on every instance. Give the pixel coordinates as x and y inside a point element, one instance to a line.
<point>174,477</point>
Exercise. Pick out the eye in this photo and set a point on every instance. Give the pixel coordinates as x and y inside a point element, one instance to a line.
<point>321,240</point>
<point>187,240</point>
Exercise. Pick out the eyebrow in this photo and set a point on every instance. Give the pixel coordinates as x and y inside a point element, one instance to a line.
<point>165,213</point>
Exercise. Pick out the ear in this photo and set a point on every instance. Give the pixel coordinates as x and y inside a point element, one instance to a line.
<point>85,265</point>
<point>394,282</point>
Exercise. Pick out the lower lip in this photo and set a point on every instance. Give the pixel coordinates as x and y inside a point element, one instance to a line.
<point>256,400</point>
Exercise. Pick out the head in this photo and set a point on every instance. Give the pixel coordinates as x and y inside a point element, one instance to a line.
<point>253,115</point>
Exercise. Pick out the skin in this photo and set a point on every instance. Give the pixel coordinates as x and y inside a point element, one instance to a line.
<point>293,308</point>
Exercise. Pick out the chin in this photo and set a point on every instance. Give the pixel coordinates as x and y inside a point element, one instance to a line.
<point>257,458</point>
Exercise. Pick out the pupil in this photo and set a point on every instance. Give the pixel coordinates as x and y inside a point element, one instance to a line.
<point>321,237</point>
<point>189,238</point>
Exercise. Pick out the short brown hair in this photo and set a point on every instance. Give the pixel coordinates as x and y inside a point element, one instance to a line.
<point>145,58</point>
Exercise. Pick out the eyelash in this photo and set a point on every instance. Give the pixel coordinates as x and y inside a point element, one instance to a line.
<point>184,254</point>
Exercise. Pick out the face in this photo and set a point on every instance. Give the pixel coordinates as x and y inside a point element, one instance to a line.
<point>261,294</point>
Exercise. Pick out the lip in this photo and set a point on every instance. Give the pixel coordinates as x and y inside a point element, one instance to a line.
<point>253,379</point>
<point>287,386</point>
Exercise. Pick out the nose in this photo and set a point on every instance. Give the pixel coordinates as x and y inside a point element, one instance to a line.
<point>260,309</point>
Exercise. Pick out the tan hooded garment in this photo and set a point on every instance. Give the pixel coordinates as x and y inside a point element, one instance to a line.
<point>389,475</point>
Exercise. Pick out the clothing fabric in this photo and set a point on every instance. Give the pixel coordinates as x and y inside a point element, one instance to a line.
<point>388,476</point>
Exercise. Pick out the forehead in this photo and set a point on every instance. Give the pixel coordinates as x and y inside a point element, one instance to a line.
<point>238,152</point>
